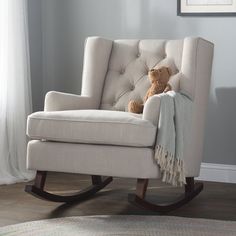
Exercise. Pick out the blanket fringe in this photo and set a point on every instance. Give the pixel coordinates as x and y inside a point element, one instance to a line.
<point>172,168</point>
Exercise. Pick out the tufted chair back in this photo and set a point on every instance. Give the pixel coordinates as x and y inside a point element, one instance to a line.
<point>127,72</point>
<point>116,71</point>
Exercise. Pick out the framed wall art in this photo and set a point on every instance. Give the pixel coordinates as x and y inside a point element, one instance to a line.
<point>206,8</point>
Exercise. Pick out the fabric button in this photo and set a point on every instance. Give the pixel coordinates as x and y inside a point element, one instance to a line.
<point>138,55</point>
<point>122,71</point>
<point>132,87</point>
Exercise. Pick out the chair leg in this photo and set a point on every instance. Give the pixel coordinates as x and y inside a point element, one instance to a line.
<point>37,189</point>
<point>189,186</point>
<point>191,190</point>
<point>40,179</point>
<point>96,179</point>
<point>141,187</point>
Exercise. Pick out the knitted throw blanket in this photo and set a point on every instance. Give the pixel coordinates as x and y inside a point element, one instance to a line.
<point>173,128</point>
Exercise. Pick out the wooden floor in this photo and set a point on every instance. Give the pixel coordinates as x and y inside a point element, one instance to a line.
<point>217,201</point>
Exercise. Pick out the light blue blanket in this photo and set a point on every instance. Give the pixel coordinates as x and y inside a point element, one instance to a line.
<point>173,128</point>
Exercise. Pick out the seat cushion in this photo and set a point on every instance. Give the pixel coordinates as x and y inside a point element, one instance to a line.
<point>92,159</point>
<point>92,126</point>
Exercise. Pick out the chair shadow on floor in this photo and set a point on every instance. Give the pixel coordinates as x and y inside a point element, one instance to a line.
<point>64,208</point>
<point>115,202</point>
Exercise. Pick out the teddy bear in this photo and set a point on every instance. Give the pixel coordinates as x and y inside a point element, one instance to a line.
<point>159,83</point>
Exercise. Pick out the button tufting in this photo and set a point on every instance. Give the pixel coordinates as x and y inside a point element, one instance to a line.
<point>122,71</point>
<point>127,77</point>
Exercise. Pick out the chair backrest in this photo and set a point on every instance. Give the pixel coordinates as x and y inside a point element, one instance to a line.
<point>116,71</point>
<point>130,61</point>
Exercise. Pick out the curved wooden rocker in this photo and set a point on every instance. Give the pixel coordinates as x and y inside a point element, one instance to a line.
<point>38,191</point>
<point>191,190</point>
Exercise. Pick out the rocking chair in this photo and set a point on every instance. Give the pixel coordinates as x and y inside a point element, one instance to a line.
<point>93,133</point>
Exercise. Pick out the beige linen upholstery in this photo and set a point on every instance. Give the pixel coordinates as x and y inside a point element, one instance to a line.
<point>151,109</point>
<point>92,126</point>
<point>115,72</point>
<point>57,101</point>
<point>96,58</point>
<point>130,61</point>
<point>105,160</point>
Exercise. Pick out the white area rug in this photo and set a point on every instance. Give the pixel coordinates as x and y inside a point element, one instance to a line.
<point>122,225</point>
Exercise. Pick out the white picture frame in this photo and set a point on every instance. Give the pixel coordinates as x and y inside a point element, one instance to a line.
<point>206,7</point>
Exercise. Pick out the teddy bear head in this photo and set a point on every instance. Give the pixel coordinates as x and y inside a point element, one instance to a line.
<point>160,75</point>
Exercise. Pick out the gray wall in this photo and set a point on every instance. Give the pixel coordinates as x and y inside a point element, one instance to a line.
<point>66,24</point>
<point>35,44</point>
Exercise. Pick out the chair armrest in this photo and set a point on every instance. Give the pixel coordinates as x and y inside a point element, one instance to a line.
<point>174,82</point>
<point>57,101</point>
<point>152,109</point>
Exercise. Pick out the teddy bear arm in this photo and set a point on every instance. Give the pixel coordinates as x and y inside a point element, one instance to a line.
<point>146,97</point>
<point>149,93</point>
<point>135,107</point>
<point>153,91</point>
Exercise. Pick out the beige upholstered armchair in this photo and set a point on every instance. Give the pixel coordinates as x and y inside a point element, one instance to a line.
<point>93,133</point>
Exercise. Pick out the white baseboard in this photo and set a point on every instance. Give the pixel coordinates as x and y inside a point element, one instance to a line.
<point>218,173</point>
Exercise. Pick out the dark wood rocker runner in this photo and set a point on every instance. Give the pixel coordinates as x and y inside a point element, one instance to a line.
<point>38,191</point>
<point>191,190</point>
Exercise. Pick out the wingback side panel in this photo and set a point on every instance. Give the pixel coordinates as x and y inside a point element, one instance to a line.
<point>196,67</point>
<point>128,67</point>
<point>116,72</point>
<point>96,58</point>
